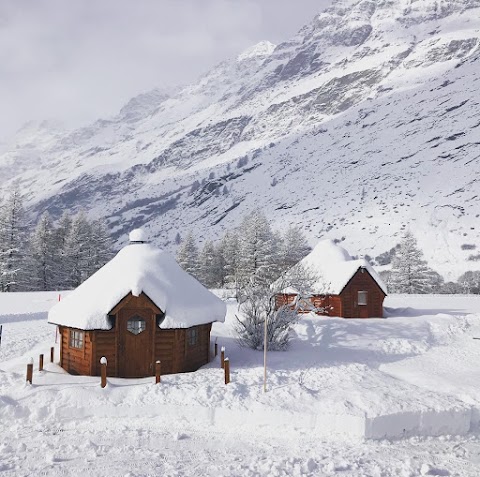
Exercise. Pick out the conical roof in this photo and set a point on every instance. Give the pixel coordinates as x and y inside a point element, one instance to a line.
<point>139,267</point>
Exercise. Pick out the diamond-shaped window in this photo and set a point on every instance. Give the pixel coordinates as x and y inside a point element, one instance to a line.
<point>136,325</point>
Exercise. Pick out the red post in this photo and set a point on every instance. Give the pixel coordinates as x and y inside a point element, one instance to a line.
<point>30,371</point>
<point>103,373</point>
<point>40,362</point>
<point>222,357</point>
<point>158,371</point>
<point>227,370</point>
<point>59,297</point>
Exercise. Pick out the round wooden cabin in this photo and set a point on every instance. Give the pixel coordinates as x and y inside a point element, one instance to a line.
<point>139,308</point>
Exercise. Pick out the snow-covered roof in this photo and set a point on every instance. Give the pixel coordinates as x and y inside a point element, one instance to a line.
<point>139,267</point>
<point>333,268</point>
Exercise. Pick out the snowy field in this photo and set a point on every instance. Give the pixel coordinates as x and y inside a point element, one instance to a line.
<point>392,397</point>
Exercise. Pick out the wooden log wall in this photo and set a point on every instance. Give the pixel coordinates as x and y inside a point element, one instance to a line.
<point>362,281</point>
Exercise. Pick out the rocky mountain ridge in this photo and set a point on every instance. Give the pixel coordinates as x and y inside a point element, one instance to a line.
<point>363,124</point>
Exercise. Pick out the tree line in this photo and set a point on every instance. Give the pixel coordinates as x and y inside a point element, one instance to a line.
<point>252,253</point>
<point>51,256</point>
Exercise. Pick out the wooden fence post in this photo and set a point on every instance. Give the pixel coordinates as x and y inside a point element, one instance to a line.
<point>227,370</point>
<point>158,372</point>
<point>30,371</point>
<point>222,357</point>
<point>216,349</point>
<point>40,362</point>
<point>103,362</point>
<point>52,354</point>
<point>1,328</point>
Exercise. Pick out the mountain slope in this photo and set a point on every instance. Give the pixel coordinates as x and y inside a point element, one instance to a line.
<point>363,124</point>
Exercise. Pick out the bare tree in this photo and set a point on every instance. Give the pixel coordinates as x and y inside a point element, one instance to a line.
<point>257,304</point>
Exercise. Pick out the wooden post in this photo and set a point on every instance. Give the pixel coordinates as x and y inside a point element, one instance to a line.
<point>30,371</point>
<point>158,372</point>
<point>103,362</point>
<point>52,354</point>
<point>1,328</point>
<point>265,346</point>
<point>216,349</point>
<point>222,357</point>
<point>40,362</point>
<point>227,370</point>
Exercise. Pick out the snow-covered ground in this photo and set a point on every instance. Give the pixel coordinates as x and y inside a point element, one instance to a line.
<point>392,397</point>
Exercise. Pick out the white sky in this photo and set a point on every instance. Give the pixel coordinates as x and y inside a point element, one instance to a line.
<point>77,60</point>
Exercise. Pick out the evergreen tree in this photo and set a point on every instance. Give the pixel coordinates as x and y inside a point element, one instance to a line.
<point>257,251</point>
<point>230,247</point>
<point>293,247</point>
<point>13,243</point>
<point>99,247</point>
<point>219,266</point>
<point>206,265</point>
<point>410,273</point>
<point>187,255</point>
<point>78,251</point>
<point>60,238</point>
<point>470,282</point>
<point>42,257</point>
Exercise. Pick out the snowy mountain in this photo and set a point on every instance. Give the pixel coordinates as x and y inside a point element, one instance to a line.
<point>364,124</point>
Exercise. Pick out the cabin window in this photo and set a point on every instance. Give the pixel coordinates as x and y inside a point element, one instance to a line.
<point>192,337</point>
<point>76,339</point>
<point>136,325</point>
<point>362,297</point>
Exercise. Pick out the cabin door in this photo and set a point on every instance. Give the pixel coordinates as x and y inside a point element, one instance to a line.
<point>135,353</point>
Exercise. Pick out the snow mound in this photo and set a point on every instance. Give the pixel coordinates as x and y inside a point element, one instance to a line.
<point>139,268</point>
<point>137,235</point>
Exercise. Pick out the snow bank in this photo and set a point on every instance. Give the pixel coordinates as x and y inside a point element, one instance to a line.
<point>341,380</point>
<point>139,268</point>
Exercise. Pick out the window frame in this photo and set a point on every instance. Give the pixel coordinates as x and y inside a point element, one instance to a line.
<point>139,325</point>
<point>192,337</point>
<point>77,339</point>
<point>363,294</point>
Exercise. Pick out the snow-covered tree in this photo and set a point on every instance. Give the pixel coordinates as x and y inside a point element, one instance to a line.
<point>293,248</point>
<point>470,282</point>
<point>13,243</point>
<point>187,255</point>
<point>410,273</point>
<point>231,250</point>
<point>78,251</point>
<point>258,306</point>
<point>99,247</point>
<point>60,238</point>
<point>42,261</point>
<point>206,265</point>
<point>257,250</point>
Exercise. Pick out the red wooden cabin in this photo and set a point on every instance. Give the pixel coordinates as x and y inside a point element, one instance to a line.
<point>344,287</point>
